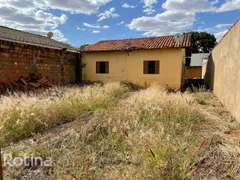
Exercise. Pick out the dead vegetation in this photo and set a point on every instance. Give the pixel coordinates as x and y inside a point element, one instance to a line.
<point>34,82</point>
<point>116,133</point>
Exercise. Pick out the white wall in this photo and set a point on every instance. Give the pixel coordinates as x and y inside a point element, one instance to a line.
<point>197,59</point>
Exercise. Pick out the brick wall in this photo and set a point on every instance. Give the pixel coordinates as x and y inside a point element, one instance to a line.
<point>17,59</point>
<point>193,72</point>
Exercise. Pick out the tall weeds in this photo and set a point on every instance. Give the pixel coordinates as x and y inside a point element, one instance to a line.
<point>21,114</point>
<point>157,128</point>
<point>149,134</point>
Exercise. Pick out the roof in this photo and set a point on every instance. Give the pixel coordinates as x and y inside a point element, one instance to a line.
<point>197,59</point>
<point>13,35</point>
<point>139,43</point>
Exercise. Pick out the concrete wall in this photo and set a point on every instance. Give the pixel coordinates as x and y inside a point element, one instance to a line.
<point>17,59</point>
<point>223,71</point>
<point>193,72</point>
<point>128,66</point>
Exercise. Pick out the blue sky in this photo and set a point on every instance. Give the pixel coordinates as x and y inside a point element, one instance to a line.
<point>88,21</point>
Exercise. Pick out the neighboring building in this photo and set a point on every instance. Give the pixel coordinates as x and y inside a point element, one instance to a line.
<point>141,61</point>
<point>198,59</point>
<point>22,53</point>
<point>197,67</point>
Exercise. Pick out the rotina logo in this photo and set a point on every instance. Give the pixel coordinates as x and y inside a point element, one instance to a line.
<point>26,161</point>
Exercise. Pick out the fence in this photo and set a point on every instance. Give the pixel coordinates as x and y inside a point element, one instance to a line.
<point>193,72</point>
<point>18,59</point>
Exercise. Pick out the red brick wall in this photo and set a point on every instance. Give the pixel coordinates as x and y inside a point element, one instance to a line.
<point>18,60</point>
<point>193,72</point>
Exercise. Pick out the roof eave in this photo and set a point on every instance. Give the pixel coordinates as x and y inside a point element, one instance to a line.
<point>38,45</point>
<point>86,51</point>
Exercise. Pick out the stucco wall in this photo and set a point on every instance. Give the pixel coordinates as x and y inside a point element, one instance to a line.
<point>128,66</point>
<point>223,71</point>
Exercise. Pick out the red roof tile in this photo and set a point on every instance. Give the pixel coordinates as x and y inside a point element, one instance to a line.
<point>139,43</point>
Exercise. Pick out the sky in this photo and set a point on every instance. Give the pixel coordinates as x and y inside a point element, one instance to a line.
<point>88,21</point>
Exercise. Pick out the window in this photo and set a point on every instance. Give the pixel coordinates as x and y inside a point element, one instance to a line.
<point>151,67</point>
<point>102,67</point>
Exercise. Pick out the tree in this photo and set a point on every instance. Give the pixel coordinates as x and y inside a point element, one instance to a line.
<point>67,45</point>
<point>202,42</point>
<point>83,46</point>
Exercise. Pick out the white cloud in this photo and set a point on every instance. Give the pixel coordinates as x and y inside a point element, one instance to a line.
<point>229,5</point>
<point>26,16</point>
<point>92,26</point>
<point>219,35</point>
<point>76,6</point>
<point>148,6</point>
<point>220,26</point>
<point>95,31</point>
<point>73,6</point>
<point>107,14</point>
<point>149,10</point>
<point>120,23</point>
<point>149,2</point>
<point>186,5</point>
<point>106,27</point>
<point>57,35</point>
<point>179,16</point>
<point>33,15</point>
<point>126,5</point>
<point>80,29</point>
<point>218,30</point>
<point>53,20</point>
<point>96,26</point>
<point>201,5</point>
<point>169,22</point>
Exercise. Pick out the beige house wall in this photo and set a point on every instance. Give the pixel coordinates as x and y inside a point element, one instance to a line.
<point>128,66</point>
<point>223,71</point>
<point>204,69</point>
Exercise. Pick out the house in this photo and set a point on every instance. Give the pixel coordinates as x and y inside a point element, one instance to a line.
<point>141,61</point>
<point>22,53</point>
<point>197,68</point>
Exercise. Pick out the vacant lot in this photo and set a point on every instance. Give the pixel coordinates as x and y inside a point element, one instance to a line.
<point>114,131</point>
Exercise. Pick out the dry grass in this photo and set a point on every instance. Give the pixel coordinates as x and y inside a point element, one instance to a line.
<point>24,114</point>
<point>144,134</point>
